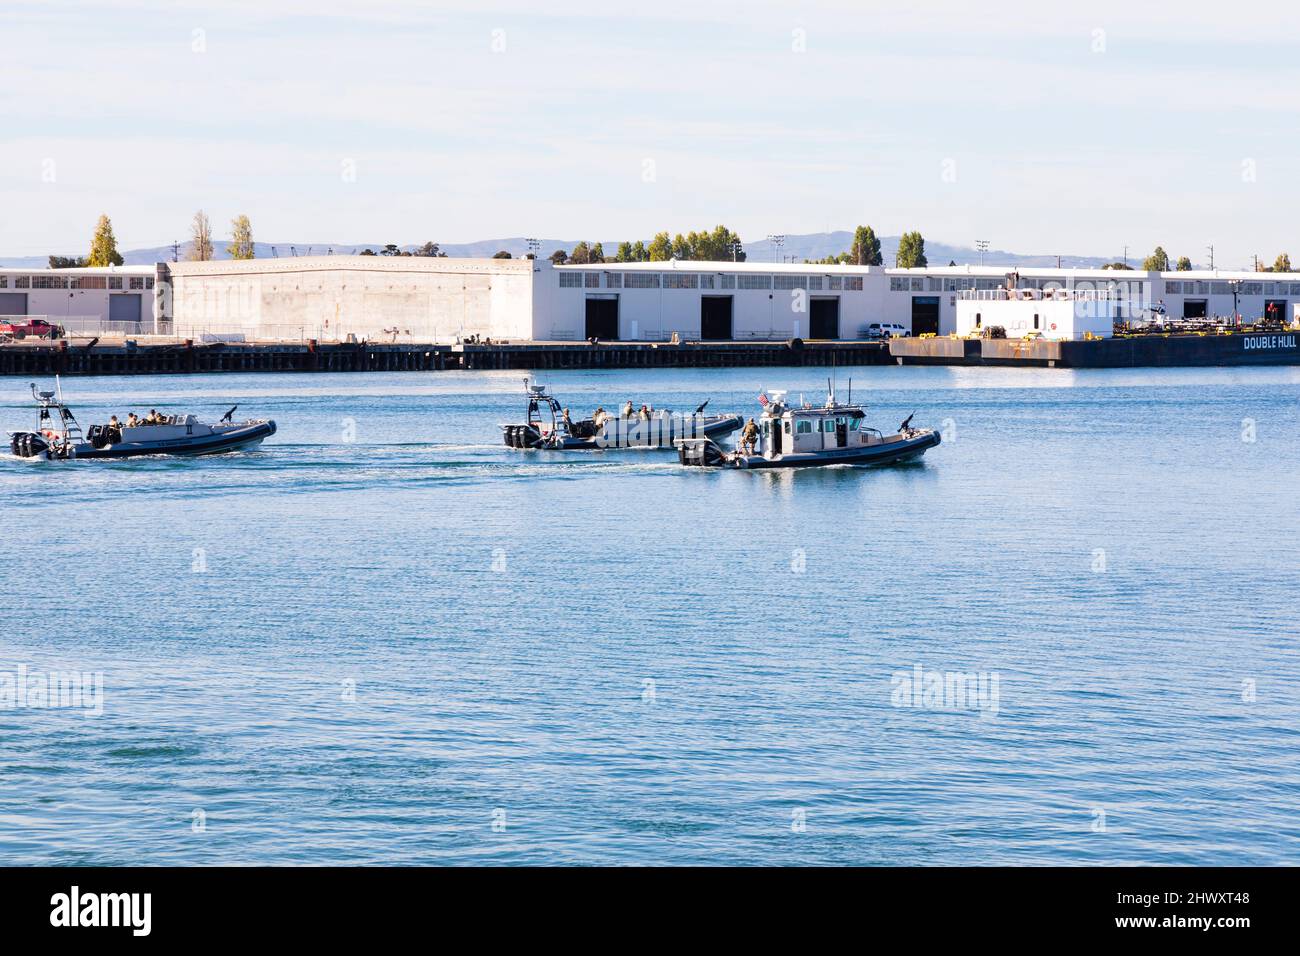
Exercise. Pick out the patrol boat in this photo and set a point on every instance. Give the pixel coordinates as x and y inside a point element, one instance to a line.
<point>58,436</point>
<point>546,427</point>
<point>805,436</point>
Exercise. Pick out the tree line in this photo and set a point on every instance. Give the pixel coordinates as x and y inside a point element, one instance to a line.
<point>717,245</point>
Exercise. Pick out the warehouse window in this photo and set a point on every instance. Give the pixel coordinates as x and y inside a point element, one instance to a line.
<point>593,280</point>
<point>853,283</point>
<point>22,282</point>
<point>90,282</point>
<point>115,282</point>
<point>753,282</point>
<point>4,282</point>
<point>898,284</point>
<point>706,282</point>
<point>613,280</point>
<point>837,283</point>
<point>674,280</point>
<point>728,282</point>
<point>641,280</point>
<point>570,280</point>
<point>786,283</point>
<point>815,283</point>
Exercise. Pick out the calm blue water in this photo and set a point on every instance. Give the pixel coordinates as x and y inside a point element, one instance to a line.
<point>370,650</point>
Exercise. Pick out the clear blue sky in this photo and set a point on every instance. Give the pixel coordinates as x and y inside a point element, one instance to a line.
<point>1071,130</point>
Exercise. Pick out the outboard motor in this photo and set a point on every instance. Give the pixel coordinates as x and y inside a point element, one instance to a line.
<point>29,444</point>
<point>701,452</point>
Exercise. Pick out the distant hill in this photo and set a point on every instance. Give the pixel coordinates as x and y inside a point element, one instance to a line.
<point>813,246</point>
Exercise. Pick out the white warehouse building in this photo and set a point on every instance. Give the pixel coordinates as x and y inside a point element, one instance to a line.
<point>90,300</point>
<point>330,298</point>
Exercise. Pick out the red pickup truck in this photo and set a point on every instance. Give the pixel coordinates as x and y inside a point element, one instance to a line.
<point>37,328</point>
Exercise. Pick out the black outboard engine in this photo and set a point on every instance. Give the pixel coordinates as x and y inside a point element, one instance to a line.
<point>29,444</point>
<point>701,452</point>
<point>522,436</point>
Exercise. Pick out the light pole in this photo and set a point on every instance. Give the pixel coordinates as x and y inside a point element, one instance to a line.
<point>983,246</point>
<point>534,246</point>
<point>778,242</point>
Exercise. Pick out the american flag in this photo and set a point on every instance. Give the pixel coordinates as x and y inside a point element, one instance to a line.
<point>762,399</point>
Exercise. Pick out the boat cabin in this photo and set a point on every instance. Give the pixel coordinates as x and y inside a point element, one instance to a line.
<point>786,430</point>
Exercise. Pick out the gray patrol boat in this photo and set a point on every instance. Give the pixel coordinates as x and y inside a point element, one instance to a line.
<point>58,436</point>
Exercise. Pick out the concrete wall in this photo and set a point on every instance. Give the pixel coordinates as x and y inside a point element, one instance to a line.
<point>331,297</point>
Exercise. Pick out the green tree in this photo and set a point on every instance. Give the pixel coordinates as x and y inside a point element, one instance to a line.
<point>367,252</point>
<point>720,245</point>
<point>559,257</point>
<point>681,249</point>
<point>1282,263</point>
<point>639,252</point>
<point>624,253</point>
<point>598,253</point>
<point>1158,261</point>
<point>390,249</point>
<point>911,251</point>
<point>429,250</point>
<point>865,250</point>
<point>503,255</point>
<point>1184,264</point>
<point>68,262</point>
<point>661,248</point>
<point>241,236</point>
<point>103,246</point>
<point>581,254</point>
<point>1117,265</point>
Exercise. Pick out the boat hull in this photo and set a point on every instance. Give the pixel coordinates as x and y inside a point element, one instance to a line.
<point>888,453</point>
<point>661,433</point>
<point>707,454</point>
<point>226,440</point>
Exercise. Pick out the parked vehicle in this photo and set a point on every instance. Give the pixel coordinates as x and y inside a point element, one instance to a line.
<point>885,330</point>
<point>18,327</point>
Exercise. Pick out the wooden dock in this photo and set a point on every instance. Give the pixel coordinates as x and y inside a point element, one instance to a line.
<point>93,357</point>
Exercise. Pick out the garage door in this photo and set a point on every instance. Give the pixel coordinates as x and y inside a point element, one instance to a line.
<point>602,318</point>
<point>124,308</point>
<point>715,317</point>
<point>13,303</point>
<point>824,319</point>
<point>925,314</point>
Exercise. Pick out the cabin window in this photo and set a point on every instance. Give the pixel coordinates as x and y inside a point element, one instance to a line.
<point>802,427</point>
<point>977,320</point>
<point>828,425</point>
<point>787,428</point>
<point>1035,320</point>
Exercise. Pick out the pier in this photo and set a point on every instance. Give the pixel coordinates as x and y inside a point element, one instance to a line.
<point>1154,350</point>
<point>93,357</point>
<point>96,357</point>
